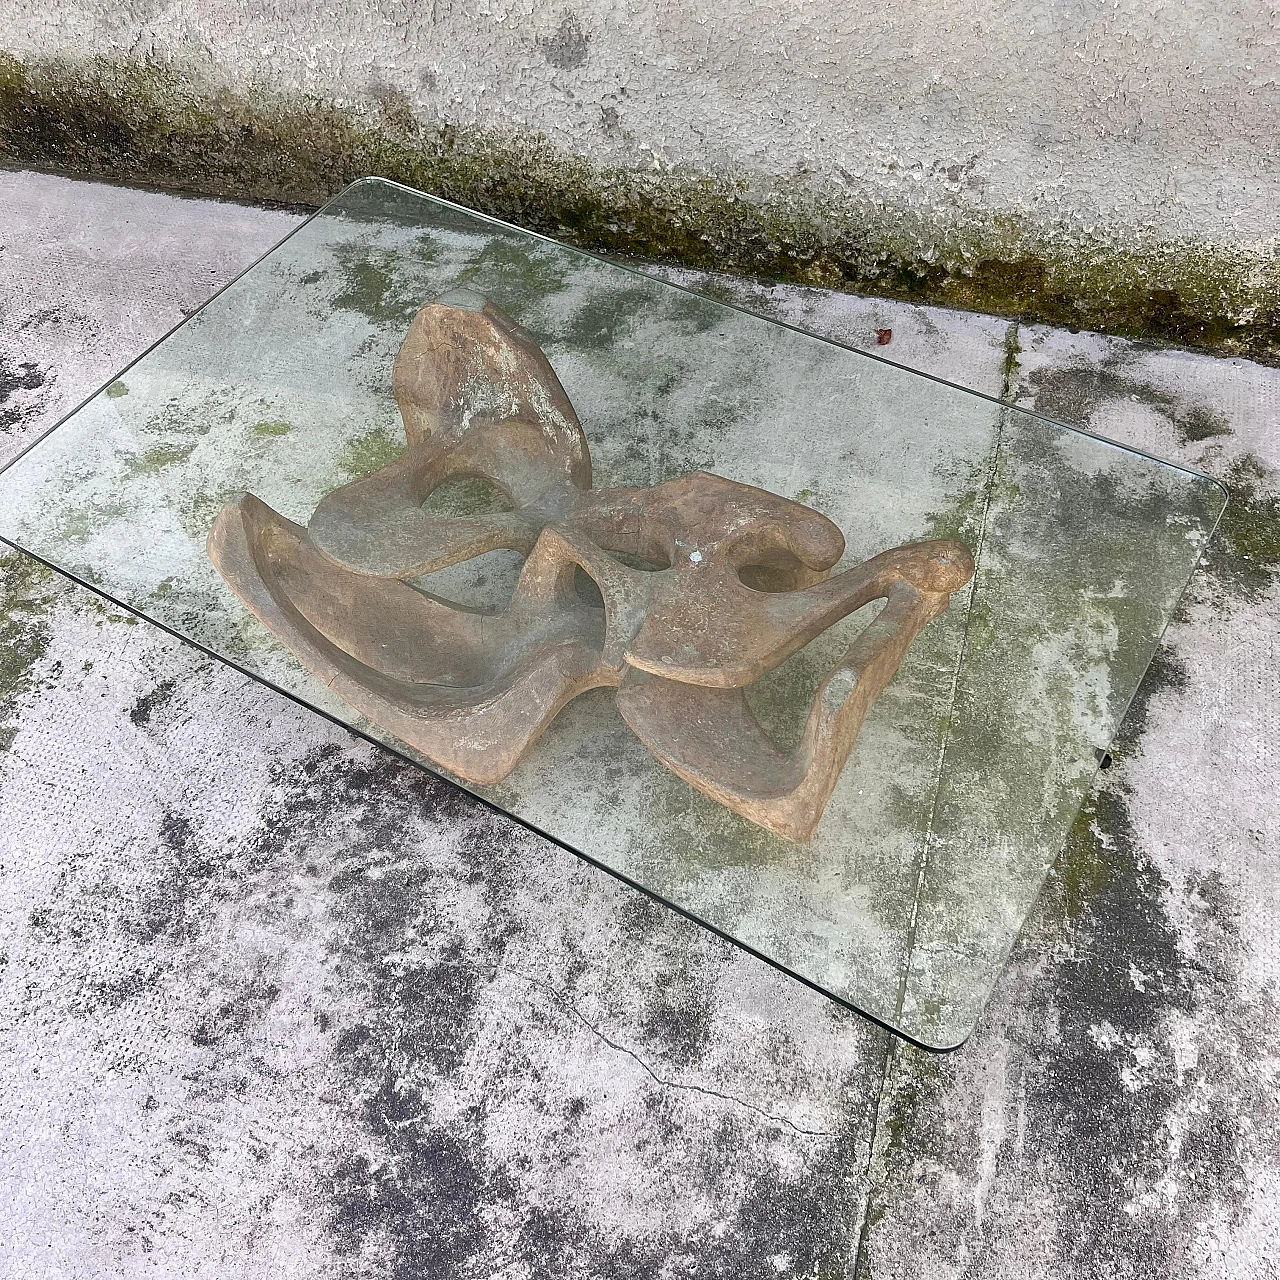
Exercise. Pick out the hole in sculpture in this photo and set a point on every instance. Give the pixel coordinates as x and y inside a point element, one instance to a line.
<point>636,562</point>
<point>484,584</point>
<point>467,496</point>
<point>775,572</point>
<point>585,588</point>
<point>782,697</point>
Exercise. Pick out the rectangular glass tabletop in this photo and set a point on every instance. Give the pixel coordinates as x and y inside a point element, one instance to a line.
<point>969,768</point>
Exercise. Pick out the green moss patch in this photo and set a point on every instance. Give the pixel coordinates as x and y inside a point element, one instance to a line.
<point>1245,554</point>
<point>364,454</point>
<point>146,122</point>
<point>26,597</point>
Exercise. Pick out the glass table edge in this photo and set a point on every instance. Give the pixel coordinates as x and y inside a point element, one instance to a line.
<point>1016,936</point>
<point>411,760</point>
<point>630,270</point>
<point>484,801</point>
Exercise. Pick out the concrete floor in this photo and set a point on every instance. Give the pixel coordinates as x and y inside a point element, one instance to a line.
<point>277,1005</point>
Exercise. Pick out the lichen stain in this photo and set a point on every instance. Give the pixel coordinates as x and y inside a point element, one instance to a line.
<point>134,120</point>
<point>1071,392</point>
<point>25,375</point>
<point>420,1187</point>
<point>362,455</point>
<point>156,698</point>
<point>1244,556</point>
<point>1132,1159</point>
<point>380,284</point>
<point>27,595</point>
<point>1139,1156</point>
<point>567,47</point>
<point>1108,1095</point>
<point>522,275</point>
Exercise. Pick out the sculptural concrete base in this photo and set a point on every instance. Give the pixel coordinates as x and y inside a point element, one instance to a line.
<point>739,582</point>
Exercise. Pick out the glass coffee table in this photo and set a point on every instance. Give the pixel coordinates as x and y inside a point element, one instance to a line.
<point>648,617</point>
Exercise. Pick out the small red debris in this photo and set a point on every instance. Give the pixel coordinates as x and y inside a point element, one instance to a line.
<point>883,337</point>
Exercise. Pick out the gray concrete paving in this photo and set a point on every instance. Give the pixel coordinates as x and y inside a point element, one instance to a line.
<point>275,1004</point>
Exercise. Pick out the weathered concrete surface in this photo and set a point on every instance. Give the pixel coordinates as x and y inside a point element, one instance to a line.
<point>1115,1114</point>
<point>1123,115</point>
<point>275,1005</point>
<point>1113,164</point>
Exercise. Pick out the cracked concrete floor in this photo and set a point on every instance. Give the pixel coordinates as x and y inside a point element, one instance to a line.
<point>274,1004</point>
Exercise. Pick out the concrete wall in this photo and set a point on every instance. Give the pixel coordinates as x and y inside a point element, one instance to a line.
<point>1113,159</point>
<point>278,1008</point>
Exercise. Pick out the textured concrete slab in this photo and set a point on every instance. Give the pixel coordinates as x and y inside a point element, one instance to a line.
<point>1116,1114</point>
<point>277,1005</point>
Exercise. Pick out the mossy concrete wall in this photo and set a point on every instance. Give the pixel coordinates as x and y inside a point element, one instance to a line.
<point>1109,165</point>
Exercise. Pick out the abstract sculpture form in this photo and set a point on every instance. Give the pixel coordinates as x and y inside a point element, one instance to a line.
<point>740,582</point>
